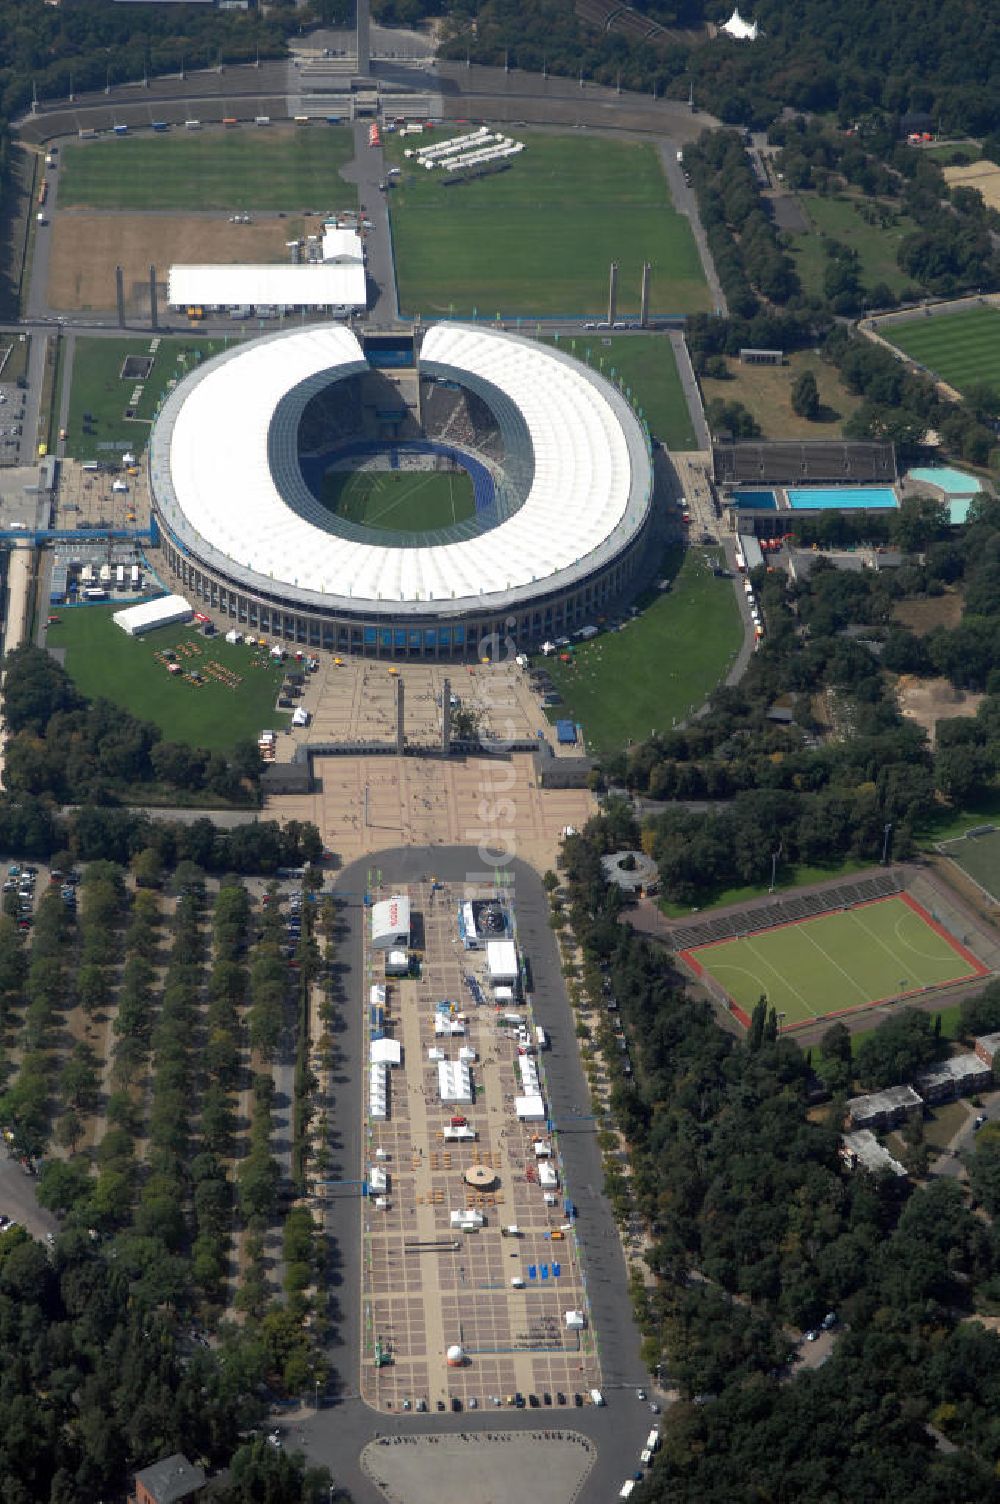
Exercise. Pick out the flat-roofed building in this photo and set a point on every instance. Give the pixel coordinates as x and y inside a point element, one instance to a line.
<point>954,1077</point>
<point>862,1150</point>
<point>884,1109</point>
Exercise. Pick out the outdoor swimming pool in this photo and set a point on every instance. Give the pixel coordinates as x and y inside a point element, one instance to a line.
<point>842,499</point>
<point>953,482</point>
<point>756,501</point>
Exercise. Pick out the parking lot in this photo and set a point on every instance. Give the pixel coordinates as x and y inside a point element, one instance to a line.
<point>501,1296</point>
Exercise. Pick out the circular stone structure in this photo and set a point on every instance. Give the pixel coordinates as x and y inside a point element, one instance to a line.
<point>480,1177</point>
<point>559,524</point>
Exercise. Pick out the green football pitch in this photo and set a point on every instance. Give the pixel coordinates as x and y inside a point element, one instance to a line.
<point>962,348</point>
<point>538,239</point>
<point>836,962</point>
<point>979,857</point>
<point>266,169</point>
<point>408,501</point>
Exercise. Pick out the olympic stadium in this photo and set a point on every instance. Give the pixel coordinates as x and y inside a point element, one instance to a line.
<point>554,466</point>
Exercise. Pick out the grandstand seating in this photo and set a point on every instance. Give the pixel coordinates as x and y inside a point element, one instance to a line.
<point>787,463</point>
<point>789,910</point>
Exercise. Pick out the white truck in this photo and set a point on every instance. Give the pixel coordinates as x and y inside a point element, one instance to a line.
<point>597,1398</point>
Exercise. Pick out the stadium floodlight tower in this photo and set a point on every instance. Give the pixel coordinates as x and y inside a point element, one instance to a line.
<point>363,47</point>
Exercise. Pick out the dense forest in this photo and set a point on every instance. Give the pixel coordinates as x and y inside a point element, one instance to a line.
<point>758,1231</point>
<point>853,59</point>
<point>847,763</point>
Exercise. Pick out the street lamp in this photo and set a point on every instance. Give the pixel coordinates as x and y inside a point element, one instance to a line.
<point>885,842</point>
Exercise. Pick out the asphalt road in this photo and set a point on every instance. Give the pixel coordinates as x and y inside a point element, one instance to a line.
<point>18,1200</point>
<point>337,1435</point>
<point>368,170</point>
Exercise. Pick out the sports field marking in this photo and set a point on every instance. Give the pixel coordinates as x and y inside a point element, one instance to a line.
<point>925,955</point>
<point>780,975</point>
<point>896,959</point>
<point>833,960</point>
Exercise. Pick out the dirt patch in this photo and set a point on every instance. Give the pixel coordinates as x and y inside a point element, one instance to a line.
<point>927,701</point>
<point>86,248</point>
<point>983,176</point>
<point>923,616</point>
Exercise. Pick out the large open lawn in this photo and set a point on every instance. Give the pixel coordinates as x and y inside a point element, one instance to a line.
<point>843,219</point>
<point>409,501</point>
<point>539,238</point>
<point>98,389</point>
<point>766,393</point>
<point>279,168</point>
<point>661,666</point>
<point>104,661</point>
<point>962,348</point>
<point>645,366</point>
<point>837,962</point>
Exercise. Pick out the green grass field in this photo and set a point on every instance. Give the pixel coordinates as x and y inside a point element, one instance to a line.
<point>962,348</point>
<point>97,388</point>
<point>280,168</point>
<point>979,856</point>
<point>836,962</point>
<point>104,661</point>
<point>663,665</point>
<point>645,366</point>
<point>409,501</point>
<point>841,219</point>
<point>539,238</point>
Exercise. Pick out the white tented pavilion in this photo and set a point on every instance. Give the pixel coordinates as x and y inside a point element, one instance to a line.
<point>148,615</point>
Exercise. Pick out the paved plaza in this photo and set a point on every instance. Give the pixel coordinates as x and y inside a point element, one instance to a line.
<point>546,1467</point>
<point>428,1285</point>
<point>365,804</point>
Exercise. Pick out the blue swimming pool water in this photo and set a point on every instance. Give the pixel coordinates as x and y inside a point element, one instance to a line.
<point>842,498</point>
<point>954,482</point>
<point>757,501</point>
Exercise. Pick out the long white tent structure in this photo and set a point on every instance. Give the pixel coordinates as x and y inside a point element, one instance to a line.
<point>165,611</point>
<point>321,284</point>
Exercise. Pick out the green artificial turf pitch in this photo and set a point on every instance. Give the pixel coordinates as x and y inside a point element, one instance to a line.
<point>837,962</point>
<point>539,238</point>
<point>409,501</point>
<point>962,348</point>
<point>103,661</point>
<point>279,168</point>
<point>979,856</point>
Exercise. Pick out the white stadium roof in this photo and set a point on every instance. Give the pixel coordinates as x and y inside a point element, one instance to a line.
<point>212,475</point>
<point>335,284</point>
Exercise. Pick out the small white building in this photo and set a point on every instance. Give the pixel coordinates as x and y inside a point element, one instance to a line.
<point>378,1091</point>
<point>528,1072</point>
<point>548,1179</point>
<point>377,995</point>
<point>166,611</point>
<point>386,1052</point>
<point>575,1321</point>
<point>378,1178</point>
<point>501,962</point>
<point>397,963</point>
<point>529,1109</point>
<point>391,922</point>
<point>454,1081</point>
<point>447,1024</point>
